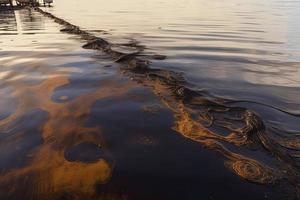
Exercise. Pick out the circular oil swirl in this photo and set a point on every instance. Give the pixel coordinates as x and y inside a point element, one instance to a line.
<point>253,171</point>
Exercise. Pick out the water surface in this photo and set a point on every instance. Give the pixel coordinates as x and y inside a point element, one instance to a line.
<point>73,126</point>
<point>246,50</point>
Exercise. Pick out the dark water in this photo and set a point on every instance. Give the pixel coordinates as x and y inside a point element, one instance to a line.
<point>73,128</point>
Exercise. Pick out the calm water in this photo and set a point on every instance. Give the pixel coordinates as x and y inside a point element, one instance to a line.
<point>248,50</point>
<point>73,128</point>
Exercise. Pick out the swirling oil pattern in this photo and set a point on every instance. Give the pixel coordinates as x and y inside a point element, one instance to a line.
<point>73,127</point>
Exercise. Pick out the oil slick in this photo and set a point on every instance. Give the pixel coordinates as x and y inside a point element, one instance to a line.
<point>58,170</point>
<point>245,127</point>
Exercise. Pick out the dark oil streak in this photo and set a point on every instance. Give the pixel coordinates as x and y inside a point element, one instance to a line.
<point>212,112</point>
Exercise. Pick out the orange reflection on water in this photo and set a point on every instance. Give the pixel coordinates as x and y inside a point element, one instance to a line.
<point>47,172</point>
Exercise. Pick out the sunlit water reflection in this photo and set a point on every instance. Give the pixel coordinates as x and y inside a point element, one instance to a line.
<point>247,50</point>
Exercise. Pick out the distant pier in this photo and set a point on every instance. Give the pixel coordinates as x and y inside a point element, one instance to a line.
<point>9,4</point>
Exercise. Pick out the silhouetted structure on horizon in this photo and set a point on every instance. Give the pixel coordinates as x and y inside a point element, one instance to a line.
<point>11,3</point>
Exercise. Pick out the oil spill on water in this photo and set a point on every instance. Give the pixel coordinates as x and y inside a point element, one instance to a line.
<point>24,136</point>
<point>79,130</point>
<point>153,162</point>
